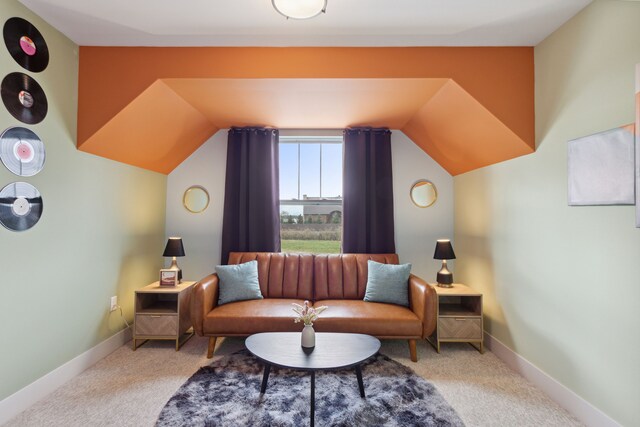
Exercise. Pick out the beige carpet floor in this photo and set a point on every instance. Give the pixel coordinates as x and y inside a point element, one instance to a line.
<point>130,388</point>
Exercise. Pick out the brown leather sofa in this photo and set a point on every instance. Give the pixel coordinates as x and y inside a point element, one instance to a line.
<point>337,281</point>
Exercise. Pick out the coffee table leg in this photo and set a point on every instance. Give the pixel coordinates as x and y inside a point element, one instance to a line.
<point>360,383</point>
<point>265,377</point>
<point>313,397</point>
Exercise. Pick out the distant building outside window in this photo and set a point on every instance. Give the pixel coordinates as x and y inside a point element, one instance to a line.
<point>311,194</point>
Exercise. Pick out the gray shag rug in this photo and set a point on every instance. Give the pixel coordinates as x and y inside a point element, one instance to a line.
<point>227,393</point>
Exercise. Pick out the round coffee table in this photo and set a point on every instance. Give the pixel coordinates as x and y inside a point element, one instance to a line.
<point>332,351</point>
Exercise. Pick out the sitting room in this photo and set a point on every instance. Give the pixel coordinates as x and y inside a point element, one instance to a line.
<point>320,212</point>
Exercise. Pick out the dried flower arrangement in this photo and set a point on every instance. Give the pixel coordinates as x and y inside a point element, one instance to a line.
<point>306,313</point>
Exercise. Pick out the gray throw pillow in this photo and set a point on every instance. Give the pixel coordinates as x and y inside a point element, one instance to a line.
<point>238,282</point>
<point>388,283</point>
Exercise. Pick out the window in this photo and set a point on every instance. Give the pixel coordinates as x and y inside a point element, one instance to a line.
<point>311,194</point>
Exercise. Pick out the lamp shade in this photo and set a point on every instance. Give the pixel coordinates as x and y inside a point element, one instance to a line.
<point>444,250</point>
<point>299,9</point>
<point>174,247</point>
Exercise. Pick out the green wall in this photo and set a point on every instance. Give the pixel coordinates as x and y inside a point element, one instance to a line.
<point>562,284</point>
<point>101,233</point>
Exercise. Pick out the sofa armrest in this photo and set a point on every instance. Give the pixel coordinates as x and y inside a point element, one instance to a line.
<point>204,298</point>
<point>422,301</point>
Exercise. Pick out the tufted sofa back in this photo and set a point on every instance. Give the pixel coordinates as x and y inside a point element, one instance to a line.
<point>344,276</point>
<point>312,277</point>
<point>281,275</point>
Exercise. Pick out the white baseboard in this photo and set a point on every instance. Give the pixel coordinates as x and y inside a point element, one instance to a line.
<point>40,388</point>
<point>588,414</point>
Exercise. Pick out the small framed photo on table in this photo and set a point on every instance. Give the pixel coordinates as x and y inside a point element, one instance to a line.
<point>168,277</point>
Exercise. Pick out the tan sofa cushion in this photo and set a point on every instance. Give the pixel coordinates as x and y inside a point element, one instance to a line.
<point>251,317</point>
<point>371,318</point>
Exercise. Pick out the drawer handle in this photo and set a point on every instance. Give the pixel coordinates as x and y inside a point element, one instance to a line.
<point>460,320</point>
<point>156,316</point>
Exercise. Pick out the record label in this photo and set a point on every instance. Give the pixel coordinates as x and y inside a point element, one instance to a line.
<point>28,46</point>
<point>25,44</point>
<point>21,151</point>
<point>20,206</point>
<point>24,98</point>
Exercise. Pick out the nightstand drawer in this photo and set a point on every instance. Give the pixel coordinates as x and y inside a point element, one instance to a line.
<point>460,328</point>
<point>156,325</point>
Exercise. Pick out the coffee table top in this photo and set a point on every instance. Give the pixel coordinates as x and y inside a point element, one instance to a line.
<point>332,350</point>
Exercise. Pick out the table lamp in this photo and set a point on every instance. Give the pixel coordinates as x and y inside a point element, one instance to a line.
<point>444,251</point>
<point>174,249</point>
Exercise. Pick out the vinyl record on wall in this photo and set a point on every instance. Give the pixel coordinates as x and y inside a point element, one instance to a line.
<point>25,44</point>
<point>20,206</point>
<point>21,151</point>
<point>24,98</point>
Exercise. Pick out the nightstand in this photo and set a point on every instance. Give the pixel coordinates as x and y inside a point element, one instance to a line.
<point>459,317</point>
<point>163,313</point>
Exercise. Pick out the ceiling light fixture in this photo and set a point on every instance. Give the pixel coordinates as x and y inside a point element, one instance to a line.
<point>300,9</point>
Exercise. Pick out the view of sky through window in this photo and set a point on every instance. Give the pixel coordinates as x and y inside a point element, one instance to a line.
<point>312,182</point>
<point>310,170</point>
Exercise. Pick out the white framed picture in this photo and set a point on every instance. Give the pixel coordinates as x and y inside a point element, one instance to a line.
<point>601,168</point>
<point>168,277</point>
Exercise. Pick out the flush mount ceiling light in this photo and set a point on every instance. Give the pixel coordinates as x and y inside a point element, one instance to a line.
<point>299,9</point>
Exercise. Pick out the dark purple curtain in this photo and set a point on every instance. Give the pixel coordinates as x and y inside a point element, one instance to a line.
<point>367,217</point>
<point>251,220</point>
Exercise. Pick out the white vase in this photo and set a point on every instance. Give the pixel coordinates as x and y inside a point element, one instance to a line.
<point>308,336</point>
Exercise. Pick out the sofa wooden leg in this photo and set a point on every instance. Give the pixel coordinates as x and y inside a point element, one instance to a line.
<point>212,347</point>
<point>412,350</point>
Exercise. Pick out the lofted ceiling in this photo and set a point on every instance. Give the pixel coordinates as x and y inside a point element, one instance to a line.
<point>153,107</point>
<point>346,23</point>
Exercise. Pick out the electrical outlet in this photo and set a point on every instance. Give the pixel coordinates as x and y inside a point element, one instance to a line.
<point>114,303</point>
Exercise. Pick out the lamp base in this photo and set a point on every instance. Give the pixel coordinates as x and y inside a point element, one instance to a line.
<point>174,266</point>
<point>445,277</point>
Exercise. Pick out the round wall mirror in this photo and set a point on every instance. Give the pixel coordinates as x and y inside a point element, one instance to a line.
<point>196,199</point>
<point>423,193</point>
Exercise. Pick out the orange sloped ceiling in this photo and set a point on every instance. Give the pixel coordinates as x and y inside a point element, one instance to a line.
<point>157,131</point>
<point>458,131</point>
<point>152,107</point>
